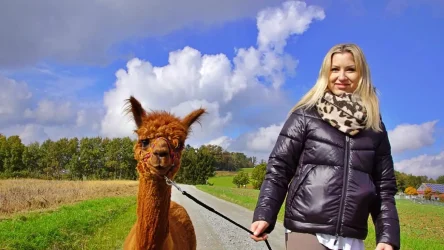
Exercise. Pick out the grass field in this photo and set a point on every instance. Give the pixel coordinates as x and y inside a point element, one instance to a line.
<point>422,226</point>
<point>93,224</point>
<point>38,214</point>
<point>23,195</point>
<point>99,214</point>
<point>225,178</point>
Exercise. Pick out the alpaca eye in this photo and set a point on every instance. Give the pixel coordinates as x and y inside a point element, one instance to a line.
<point>145,142</point>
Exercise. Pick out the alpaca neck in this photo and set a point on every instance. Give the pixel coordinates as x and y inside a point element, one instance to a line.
<point>153,206</point>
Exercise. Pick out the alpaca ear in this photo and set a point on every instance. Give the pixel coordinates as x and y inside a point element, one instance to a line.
<point>193,117</point>
<point>133,106</point>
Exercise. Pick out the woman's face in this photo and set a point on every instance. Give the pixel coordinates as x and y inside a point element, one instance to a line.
<point>343,75</point>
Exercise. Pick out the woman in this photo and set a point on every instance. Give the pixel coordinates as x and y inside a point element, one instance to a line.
<point>332,162</point>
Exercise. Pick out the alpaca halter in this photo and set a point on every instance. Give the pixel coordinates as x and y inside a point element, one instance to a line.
<point>174,152</point>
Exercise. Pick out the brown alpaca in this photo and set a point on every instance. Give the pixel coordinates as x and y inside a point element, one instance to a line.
<point>161,223</point>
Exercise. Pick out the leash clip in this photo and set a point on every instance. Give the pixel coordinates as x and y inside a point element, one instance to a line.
<point>170,182</point>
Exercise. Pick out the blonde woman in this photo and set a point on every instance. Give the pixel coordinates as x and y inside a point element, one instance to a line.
<point>332,162</point>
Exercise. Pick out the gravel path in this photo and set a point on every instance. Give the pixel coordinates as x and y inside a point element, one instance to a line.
<point>215,232</point>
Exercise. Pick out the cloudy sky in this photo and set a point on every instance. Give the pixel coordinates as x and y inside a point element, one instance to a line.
<point>67,66</point>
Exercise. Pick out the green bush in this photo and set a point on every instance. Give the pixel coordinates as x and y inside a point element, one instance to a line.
<point>241,179</point>
<point>258,175</point>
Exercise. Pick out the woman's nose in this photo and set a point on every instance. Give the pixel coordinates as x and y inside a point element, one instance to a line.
<point>342,75</point>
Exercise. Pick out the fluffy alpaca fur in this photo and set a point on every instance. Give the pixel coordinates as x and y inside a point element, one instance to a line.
<point>161,223</point>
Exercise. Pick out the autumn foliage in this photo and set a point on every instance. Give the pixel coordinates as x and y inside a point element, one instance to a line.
<point>428,193</point>
<point>411,191</point>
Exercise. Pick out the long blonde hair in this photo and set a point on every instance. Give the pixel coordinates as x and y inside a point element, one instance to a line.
<point>365,89</point>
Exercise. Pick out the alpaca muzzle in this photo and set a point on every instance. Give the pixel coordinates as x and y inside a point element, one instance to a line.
<point>156,157</point>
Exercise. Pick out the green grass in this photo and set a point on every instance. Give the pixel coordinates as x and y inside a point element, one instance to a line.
<point>247,170</point>
<point>421,225</point>
<point>222,181</point>
<point>99,224</point>
<point>113,234</point>
<point>104,223</point>
<point>225,178</point>
<point>241,196</point>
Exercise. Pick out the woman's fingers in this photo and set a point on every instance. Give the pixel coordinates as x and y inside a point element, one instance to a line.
<point>258,227</point>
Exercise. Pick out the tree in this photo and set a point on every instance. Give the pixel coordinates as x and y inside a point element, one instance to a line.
<point>13,162</point>
<point>241,179</point>
<point>205,165</point>
<point>197,165</point>
<point>217,152</point>
<point>73,164</point>
<point>253,160</point>
<point>413,181</point>
<point>440,179</point>
<point>30,158</point>
<point>2,151</point>
<point>63,155</point>
<point>104,158</point>
<point>128,164</point>
<point>90,157</point>
<point>428,193</point>
<point>258,175</point>
<point>411,191</point>
<point>400,180</point>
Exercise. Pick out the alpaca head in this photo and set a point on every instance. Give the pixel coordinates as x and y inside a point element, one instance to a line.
<point>161,139</point>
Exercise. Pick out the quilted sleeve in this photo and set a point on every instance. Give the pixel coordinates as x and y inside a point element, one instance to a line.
<point>281,168</point>
<point>383,211</point>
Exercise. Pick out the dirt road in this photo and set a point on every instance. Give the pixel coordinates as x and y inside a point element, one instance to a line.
<point>214,232</point>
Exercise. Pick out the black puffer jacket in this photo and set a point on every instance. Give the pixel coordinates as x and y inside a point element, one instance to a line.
<point>333,181</point>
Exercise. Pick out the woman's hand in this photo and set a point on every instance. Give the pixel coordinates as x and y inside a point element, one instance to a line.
<point>383,246</point>
<point>257,228</point>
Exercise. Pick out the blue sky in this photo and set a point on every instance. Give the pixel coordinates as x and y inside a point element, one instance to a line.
<point>77,76</point>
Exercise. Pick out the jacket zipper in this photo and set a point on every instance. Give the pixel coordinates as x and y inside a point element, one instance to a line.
<point>344,188</point>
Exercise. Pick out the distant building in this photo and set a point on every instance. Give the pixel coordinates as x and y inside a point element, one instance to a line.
<point>436,190</point>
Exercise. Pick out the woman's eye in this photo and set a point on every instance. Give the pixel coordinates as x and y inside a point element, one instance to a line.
<point>145,142</point>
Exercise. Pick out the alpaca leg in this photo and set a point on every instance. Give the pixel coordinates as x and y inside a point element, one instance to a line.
<point>169,243</point>
<point>130,241</point>
<point>181,227</point>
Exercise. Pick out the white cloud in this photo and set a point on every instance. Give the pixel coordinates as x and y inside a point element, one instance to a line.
<point>50,112</point>
<point>37,118</point>
<point>223,141</point>
<point>257,143</point>
<point>88,117</point>
<point>192,79</point>
<point>88,31</point>
<point>278,23</point>
<point>261,141</point>
<point>14,97</point>
<point>264,139</point>
<point>407,137</point>
<point>430,165</point>
<point>36,132</point>
<point>33,133</point>
<point>28,133</point>
<point>212,122</point>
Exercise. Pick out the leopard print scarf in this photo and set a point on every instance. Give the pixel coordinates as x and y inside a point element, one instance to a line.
<point>344,112</point>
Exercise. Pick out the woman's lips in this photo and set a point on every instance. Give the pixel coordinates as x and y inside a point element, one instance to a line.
<point>341,85</point>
